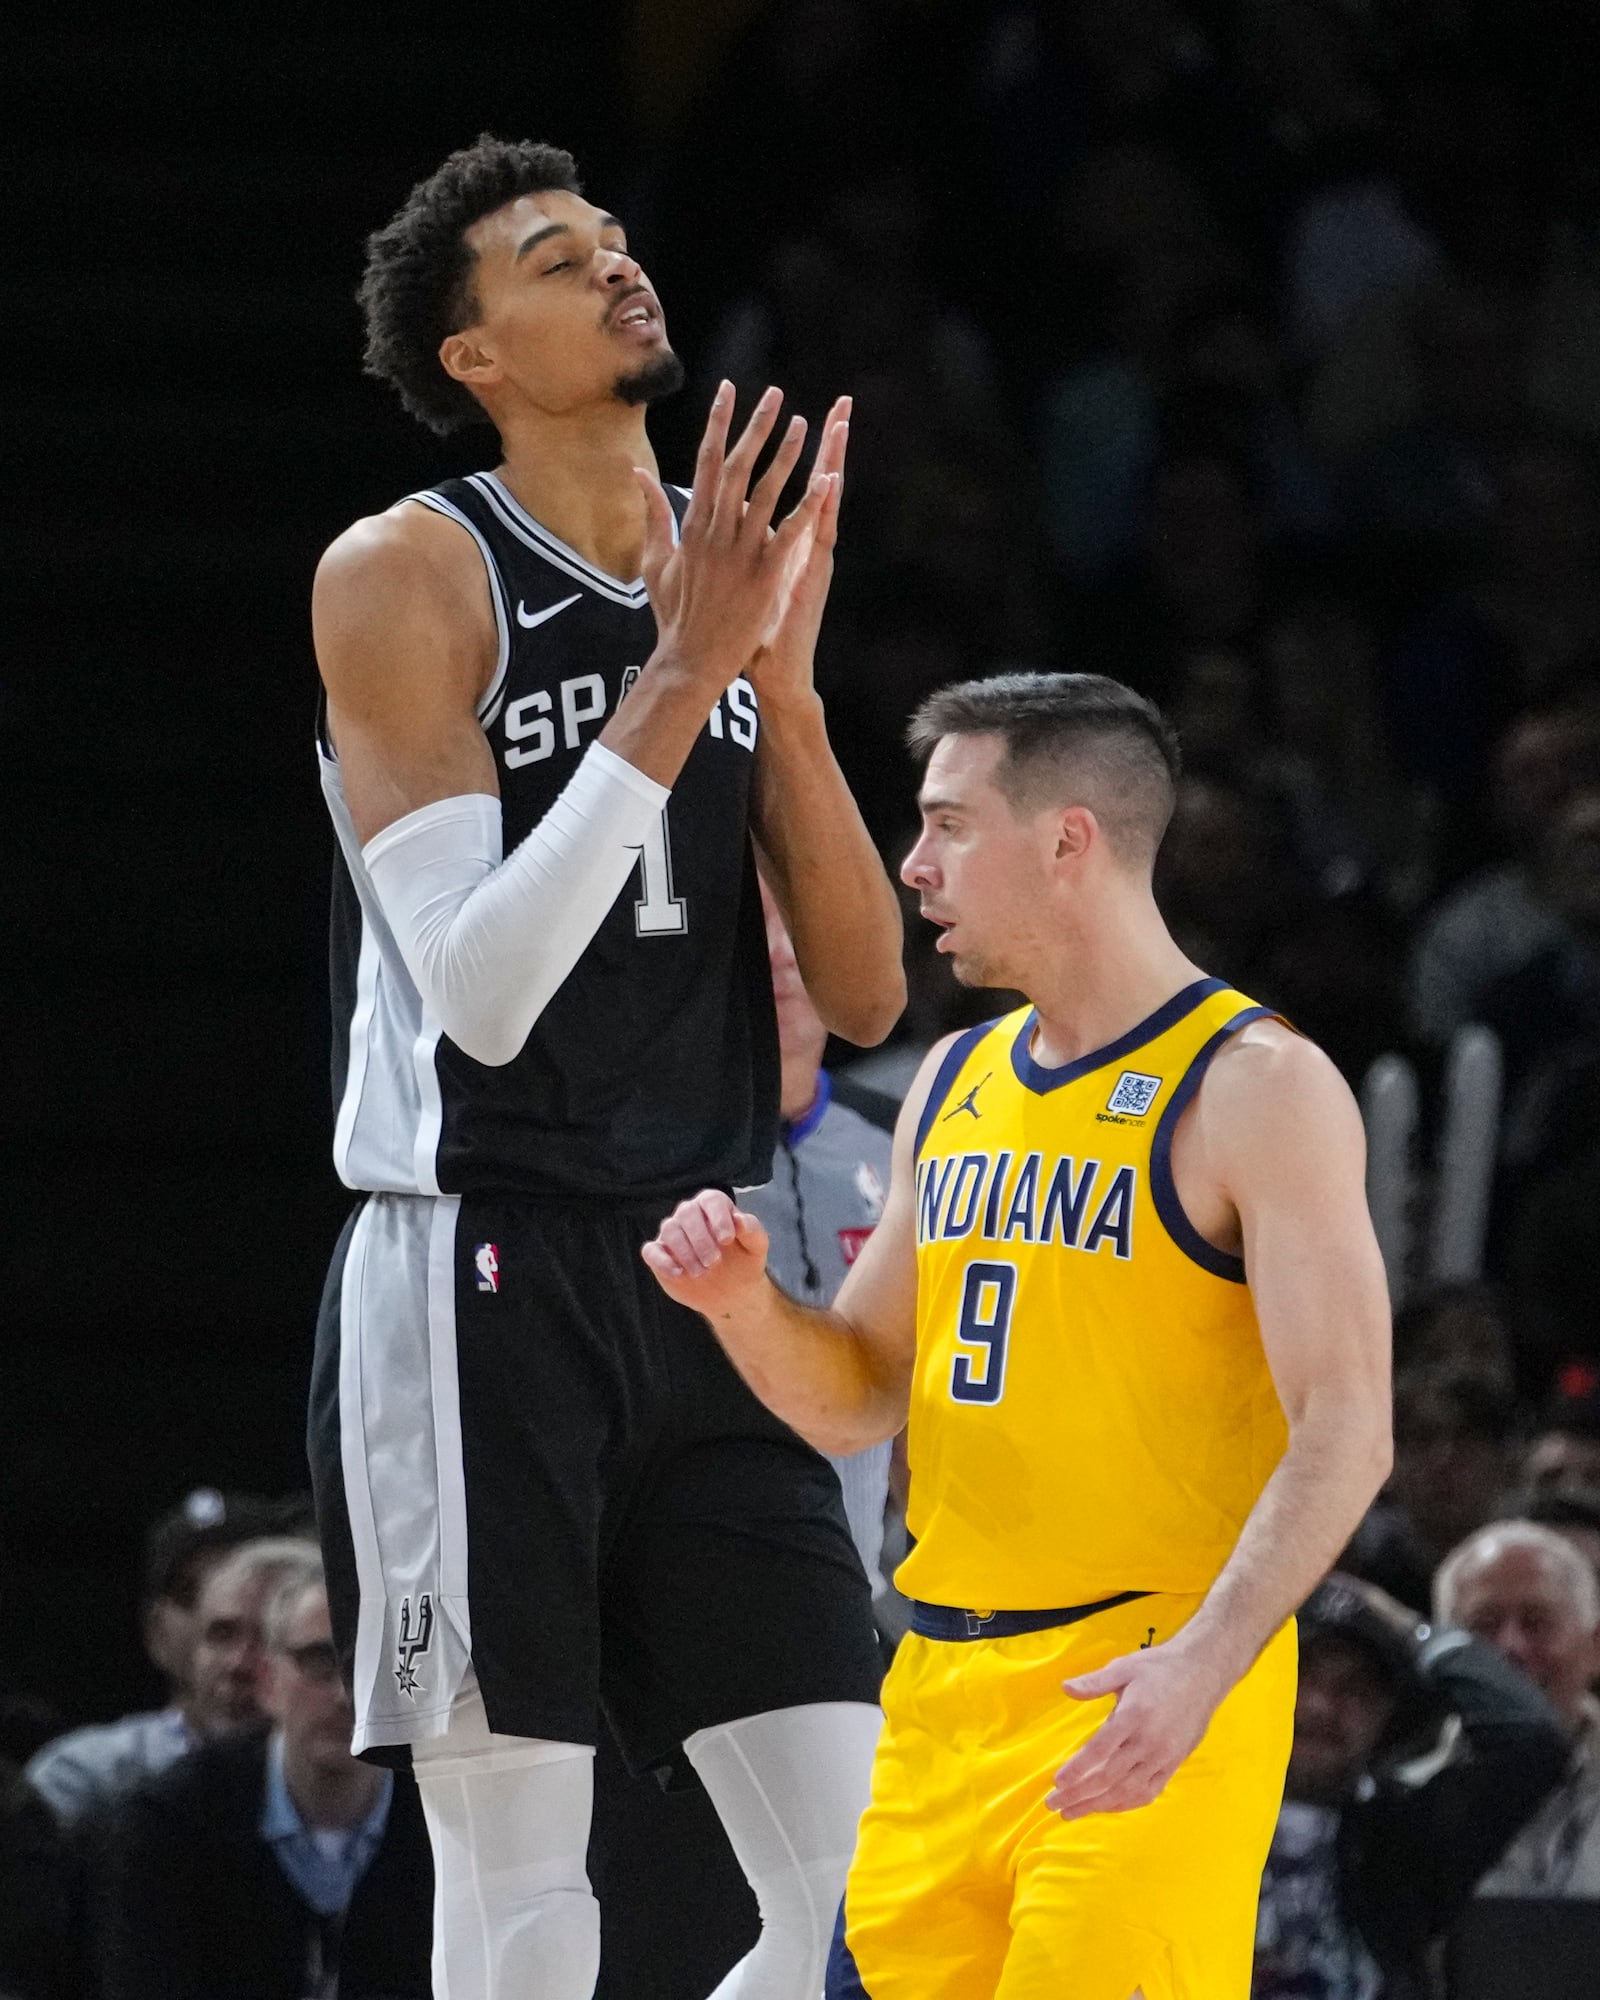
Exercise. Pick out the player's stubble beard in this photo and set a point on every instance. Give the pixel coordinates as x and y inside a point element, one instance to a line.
<point>662,375</point>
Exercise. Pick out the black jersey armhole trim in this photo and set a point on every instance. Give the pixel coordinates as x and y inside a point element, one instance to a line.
<point>1164,1189</point>
<point>946,1074</point>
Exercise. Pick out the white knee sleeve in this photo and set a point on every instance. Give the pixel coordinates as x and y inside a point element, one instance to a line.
<point>789,1787</point>
<point>508,1820</point>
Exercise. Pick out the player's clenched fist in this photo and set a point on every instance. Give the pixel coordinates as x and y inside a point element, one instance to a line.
<point>708,1255</point>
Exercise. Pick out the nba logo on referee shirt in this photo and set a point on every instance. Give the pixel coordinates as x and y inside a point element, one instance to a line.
<point>1134,1094</point>
<point>486,1259</point>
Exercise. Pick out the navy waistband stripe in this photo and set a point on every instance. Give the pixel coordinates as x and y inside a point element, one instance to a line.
<point>942,1621</point>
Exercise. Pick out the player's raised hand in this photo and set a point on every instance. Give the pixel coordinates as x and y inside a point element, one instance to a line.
<point>718,587</point>
<point>784,664</point>
<point>708,1255</point>
<point>1164,1698</point>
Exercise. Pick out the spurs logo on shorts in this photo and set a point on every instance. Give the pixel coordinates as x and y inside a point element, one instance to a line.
<point>414,1642</point>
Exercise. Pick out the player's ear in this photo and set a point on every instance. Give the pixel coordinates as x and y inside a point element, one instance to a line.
<point>464,357</point>
<point>1076,828</point>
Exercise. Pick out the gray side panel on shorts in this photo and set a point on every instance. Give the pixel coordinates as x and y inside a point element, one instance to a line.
<point>400,1447</point>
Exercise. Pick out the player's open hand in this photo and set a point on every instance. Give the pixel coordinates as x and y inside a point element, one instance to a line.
<point>783,666</point>
<point>1164,1699</point>
<point>708,1255</point>
<point>718,587</point>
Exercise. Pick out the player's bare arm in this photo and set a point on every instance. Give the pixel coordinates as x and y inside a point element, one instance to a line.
<point>405,633</point>
<point>816,853</point>
<point>1276,1146</point>
<point>840,1376</point>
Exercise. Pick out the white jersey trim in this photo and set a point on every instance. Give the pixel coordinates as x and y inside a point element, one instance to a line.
<point>355,1078</point>
<point>555,551</point>
<point>430,1120</point>
<point>494,694</point>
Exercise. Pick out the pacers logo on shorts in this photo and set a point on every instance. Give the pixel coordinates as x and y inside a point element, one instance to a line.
<point>486,1259</point>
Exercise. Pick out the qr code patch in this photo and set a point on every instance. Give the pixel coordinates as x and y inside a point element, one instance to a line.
<point>1134,1093</point>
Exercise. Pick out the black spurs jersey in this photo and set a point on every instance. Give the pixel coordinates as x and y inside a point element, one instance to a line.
<point>653,1071</point>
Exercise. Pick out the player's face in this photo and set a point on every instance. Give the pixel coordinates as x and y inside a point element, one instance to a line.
<point>565,316</point>
<point>982,870</point>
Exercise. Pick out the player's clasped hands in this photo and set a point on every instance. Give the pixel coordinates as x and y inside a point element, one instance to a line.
<point>720,588</point>
<point>707,1254</point>
<point>1165,1697</point>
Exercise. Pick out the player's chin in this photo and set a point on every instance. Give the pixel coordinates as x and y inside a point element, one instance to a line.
<point>661,374</point>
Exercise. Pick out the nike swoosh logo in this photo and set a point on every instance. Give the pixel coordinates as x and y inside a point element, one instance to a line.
<point>528,619</point>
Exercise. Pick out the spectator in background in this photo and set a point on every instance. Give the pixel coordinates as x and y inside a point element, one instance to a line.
<point>1373,1859</point>
<point>1454,1430</point>
<point>1547,1011</point>
<point>1498,922</point>
<point>1524,629</point>
<point>1145,256</point>
<point>38,1951</point>
<point>1204,582</point>
<point>210,1678</point>
<point>853,299</point>
<point>1356,823</point>
<point>1530,1595</point>
<point>1225,875</point>
<point>1565,1451</point>
<point>1572,1512</point>
<point>273,1865</point>
<point>1456,1326</point>
<point>1548,1019</point>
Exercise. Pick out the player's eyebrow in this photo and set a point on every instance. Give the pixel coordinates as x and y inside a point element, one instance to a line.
<point>557,229</point>
<point>540,235</point>
<point>930,806</point>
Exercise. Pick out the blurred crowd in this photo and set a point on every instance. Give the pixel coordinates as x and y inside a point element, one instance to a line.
<point>1440,1831</point>
<point>1248,350</point>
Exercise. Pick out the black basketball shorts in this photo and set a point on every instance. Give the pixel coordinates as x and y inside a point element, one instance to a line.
<point>527,1457</point>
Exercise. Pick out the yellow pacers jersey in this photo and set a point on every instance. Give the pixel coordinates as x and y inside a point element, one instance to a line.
<point>1091,1410</point>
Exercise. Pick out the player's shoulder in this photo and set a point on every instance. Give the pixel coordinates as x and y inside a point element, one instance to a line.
<point>399,579</point>
<point>1269,1083</point>
<point>938,1070</point>
<point>390,546</point>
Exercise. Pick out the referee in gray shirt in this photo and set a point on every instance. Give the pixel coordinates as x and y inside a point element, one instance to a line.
<point>830,1175</point>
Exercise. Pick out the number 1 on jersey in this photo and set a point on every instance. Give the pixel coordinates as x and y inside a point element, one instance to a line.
<point>658,913</point>
<point>986,1301</point>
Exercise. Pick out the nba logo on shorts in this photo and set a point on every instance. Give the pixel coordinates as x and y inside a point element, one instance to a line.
<point>487,1259</point>
<point>1134,1094</point>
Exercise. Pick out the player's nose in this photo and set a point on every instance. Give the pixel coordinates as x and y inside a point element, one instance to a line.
<point>617,269</point>
<point>915,870</point>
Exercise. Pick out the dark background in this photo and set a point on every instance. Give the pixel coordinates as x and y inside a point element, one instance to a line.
<point>188,426</point>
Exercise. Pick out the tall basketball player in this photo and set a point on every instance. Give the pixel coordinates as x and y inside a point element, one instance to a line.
<point>565,715</point>
<point>1127,1288</point>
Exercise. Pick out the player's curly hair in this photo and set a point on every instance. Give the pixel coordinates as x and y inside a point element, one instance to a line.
<point>417,286</point>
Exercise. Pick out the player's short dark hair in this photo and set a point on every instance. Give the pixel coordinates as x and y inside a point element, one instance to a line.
<point>1068,730</point>
<point>417,286</point>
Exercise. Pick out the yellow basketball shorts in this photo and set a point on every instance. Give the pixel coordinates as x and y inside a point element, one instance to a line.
<point>965,1887</point>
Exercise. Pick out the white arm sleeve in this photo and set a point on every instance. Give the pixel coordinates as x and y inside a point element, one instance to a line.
<point>488,941</point>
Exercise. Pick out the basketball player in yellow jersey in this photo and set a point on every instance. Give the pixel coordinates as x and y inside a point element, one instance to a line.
<point>1127,1291</point>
